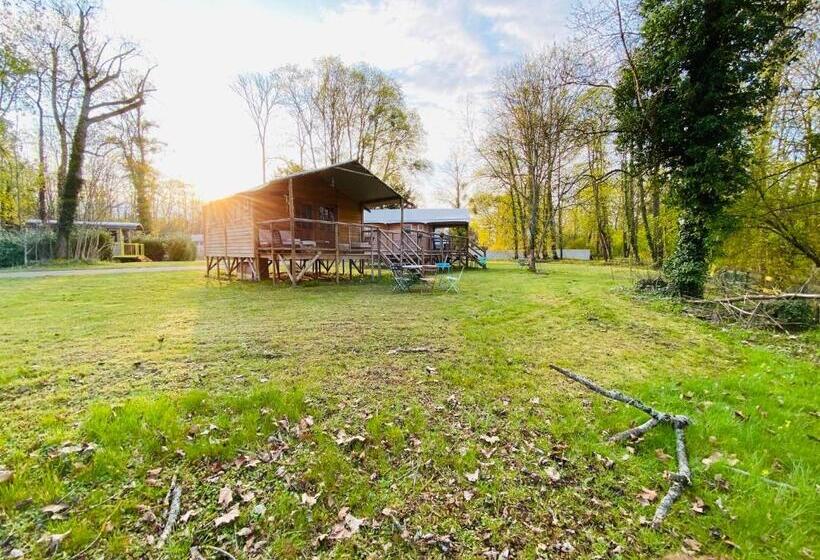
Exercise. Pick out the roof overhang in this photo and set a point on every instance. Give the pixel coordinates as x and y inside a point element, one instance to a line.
<point>351,178</point>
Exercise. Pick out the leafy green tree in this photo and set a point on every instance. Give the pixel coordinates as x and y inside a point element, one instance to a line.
<point>698,86</point>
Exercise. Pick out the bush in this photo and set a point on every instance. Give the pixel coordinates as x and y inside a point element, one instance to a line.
<point>180,248</point>
<point>794,313</point>
<point>154,247</point>
<point>39,244</point>
<point>90,244</point>
<point>11,249</point>
<point>652,284</point>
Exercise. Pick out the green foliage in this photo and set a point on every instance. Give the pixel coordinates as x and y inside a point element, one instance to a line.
<point>154,246</point>
<point>706,72</point>
<point>39,244</point>
<point>794,313</point>
<point>179,247</point>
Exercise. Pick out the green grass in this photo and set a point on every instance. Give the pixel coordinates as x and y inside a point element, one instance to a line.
<point>209,381</point>
<point>81,265</point>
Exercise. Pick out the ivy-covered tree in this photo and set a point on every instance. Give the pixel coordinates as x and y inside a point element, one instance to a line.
<point>696,88</point>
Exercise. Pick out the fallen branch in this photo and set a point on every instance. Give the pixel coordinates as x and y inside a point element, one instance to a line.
<point>756,297</point>
<point>172,499</point>
<point>222,551</point>
<point>417,350</point>
<point>683,477</point>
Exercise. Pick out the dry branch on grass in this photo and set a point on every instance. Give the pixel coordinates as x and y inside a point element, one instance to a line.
<point>747,310</point>
<point>680,479</point>
<point>172,501</point>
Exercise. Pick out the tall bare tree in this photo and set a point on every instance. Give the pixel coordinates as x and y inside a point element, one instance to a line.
<point>132,136</point>
<point>101,69</point>
<point>457,179</point>
<point>261,94</point>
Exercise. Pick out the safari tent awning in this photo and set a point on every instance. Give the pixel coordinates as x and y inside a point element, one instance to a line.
<point>351,178</point>
<point>430,216</point>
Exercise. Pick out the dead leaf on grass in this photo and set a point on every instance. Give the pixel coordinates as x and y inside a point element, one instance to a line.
<point>553,474</point>
<point>691,546</point>
<point>473,476</point>
<point>225,497</point>
<point>712,459</point>
<point>662,455</point>
<point>6,475</point>
<point>646,496</point>
<point>52,509</point>
<point>244,532</point>
<point>309,500</point>
<point>53,540</point>
<point>229,517</point>
<point>347,526</point>
<point>344,440</point>
<point>698,506</point>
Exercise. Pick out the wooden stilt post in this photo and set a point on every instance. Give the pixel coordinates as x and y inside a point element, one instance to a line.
<point>401,232</point>
<point>292,231</point>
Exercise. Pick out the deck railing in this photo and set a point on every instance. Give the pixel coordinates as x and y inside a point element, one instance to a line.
<point>304,235</point>
<point>122,249</point>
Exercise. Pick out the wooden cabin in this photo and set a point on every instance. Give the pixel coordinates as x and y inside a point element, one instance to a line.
<point>441,234</point>
<point>307,225</point>
<point>123,248</point>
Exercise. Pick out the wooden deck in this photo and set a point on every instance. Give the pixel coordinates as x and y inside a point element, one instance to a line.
<point>298,249</point>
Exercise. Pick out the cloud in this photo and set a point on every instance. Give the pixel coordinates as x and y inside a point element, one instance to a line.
<point>440,52</point>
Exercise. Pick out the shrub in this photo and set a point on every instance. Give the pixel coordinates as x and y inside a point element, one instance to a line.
<point>90,244</point>
<point>794,313</point>
<point>655,284</point>
<point>154,247</point>
<point>39,245</point>
<point>179,247</point>
<point>11,249</point>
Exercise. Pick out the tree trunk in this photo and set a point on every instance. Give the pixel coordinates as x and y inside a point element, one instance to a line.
<point>514,224</point>
<point>645,218</point>
<point>42,211</point>
<point>535,192</point>
<point>73,185</point>
<point>687,268</point>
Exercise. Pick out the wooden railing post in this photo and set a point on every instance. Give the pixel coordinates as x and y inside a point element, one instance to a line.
<point>292,232</point>
<point>336,235</point>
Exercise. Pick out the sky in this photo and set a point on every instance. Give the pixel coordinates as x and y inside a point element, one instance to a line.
<point>443,54</point>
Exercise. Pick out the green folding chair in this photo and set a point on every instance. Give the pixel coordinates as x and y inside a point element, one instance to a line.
<point>401,280</point>
<point>451,282</point>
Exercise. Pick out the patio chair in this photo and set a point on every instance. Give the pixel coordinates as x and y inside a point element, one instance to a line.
<point>401,279</point>
<point>443,266</point>
<point>451,282</point>
<point>282,238</point>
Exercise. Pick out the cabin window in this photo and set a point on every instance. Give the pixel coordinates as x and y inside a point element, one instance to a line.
<point>327,213</point>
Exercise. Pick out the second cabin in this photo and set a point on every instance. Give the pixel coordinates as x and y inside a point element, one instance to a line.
<point>312,224</point>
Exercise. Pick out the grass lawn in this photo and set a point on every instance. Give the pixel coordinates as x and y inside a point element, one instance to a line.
<point>288,415</point>
<point>96,265</point>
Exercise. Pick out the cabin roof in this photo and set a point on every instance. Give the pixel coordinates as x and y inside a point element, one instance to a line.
<point>127,226</point>
<point>351,178</point>
<point>430,216</point>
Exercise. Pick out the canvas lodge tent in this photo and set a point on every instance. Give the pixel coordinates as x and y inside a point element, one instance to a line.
<point>312,224</point>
